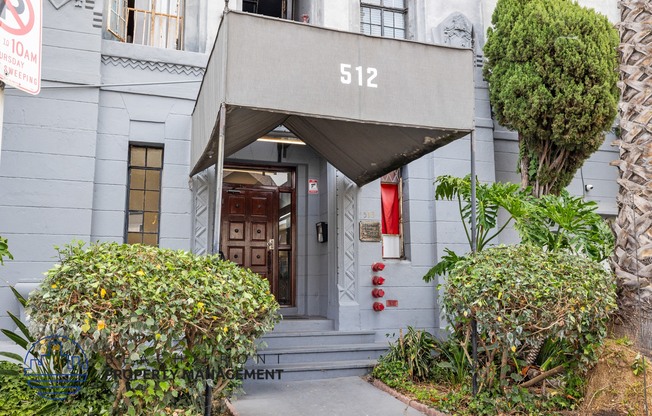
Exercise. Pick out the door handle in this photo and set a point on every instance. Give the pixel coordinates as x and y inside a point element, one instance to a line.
<point>270,258</point>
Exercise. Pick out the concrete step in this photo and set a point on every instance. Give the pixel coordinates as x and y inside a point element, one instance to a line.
<point>311,338</point>
<point>320,353</point>
<point>291,324</point>
<point>317,370</point>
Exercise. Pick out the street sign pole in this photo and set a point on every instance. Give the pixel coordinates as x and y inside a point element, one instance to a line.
<point>2,114</point>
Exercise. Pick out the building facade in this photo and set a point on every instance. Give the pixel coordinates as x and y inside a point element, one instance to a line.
<point>110,150</point>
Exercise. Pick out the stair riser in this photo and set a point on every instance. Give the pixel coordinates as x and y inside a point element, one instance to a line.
<point>315,375</point>
<point>295,340</point>
<point>289,358</point>
<point>304,325</point>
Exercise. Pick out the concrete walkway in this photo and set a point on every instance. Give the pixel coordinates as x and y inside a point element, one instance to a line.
<point>347,396</point>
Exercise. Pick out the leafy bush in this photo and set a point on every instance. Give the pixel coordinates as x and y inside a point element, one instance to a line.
<point>393,373</point>
<point>489,198</point>
<point>139,307</point>
<point>415,351</point>
<point>521,295</point>
<point>17,398</point>
<point>453,363</point>
<point>554,222</point>
<point>565,222</point>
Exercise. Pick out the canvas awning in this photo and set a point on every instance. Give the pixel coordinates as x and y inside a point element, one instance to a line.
<point>366,104</point>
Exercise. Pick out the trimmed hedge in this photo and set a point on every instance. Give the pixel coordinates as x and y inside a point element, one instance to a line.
<point>140,307</point>
<point>522,295</point>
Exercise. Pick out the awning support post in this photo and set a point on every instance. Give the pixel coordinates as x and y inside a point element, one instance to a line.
<point>219,177</point>
<point>217,222</point>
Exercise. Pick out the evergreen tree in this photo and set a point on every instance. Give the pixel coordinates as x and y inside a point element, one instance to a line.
<point>552,71</point>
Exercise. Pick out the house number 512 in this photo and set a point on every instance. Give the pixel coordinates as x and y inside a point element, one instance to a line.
<point>359,72</point>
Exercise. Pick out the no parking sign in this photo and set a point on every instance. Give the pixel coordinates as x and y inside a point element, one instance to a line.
<point>20,44</point>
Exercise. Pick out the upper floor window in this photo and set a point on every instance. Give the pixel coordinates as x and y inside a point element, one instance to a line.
<point>157,23</point>
<point>273,8</point>
<point>383,18</point>
<point>144,198</point>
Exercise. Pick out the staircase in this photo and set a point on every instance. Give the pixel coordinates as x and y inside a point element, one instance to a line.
<point>310,349</point>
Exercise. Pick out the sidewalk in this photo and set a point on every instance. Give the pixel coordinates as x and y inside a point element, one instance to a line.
<point>347,396</point>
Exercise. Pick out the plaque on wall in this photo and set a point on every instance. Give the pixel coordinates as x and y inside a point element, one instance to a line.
<point>370,231</point>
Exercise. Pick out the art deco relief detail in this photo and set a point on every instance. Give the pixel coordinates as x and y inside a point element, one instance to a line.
<point>457,30</point>
<point>347,281</point>
<point>201,199</point>
<point>153,66</point>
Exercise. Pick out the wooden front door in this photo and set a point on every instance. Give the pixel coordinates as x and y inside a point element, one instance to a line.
<point>249,218</point>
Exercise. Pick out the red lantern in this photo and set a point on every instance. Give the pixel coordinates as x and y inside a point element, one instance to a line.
<point>379,307</point>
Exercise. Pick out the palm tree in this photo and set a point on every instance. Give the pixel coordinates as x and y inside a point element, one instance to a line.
<point>632,259</point>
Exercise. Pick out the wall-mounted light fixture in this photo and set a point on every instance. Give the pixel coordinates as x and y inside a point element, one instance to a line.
<point>282,140</point>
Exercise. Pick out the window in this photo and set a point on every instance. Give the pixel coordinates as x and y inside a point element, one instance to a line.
<point>144,199</point>
<point>273,8</point>
<point>383,18</point>
<point>391,190</point>
<point>157,23</point>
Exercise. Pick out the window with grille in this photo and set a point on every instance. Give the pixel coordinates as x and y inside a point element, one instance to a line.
<point>391,189</point>
<point>157,23</point>
<point>144,198</point>
<point>383,18</point>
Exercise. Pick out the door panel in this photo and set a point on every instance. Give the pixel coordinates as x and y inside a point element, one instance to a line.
<point>248,227</point>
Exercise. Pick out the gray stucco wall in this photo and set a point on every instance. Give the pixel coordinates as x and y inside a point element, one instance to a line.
<point>63,173</point>
<point>596,170</point>
<point>151,104</point>
<point>48,152</point>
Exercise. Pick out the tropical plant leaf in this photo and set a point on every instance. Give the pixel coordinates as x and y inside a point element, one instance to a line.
<point>447,263</point>
<point>12,355</point>
<point>23,328</point>
<point>18,296</point>
<point>15,338</point>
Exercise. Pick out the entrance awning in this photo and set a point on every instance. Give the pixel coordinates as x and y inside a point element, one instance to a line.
<point>366,104</point>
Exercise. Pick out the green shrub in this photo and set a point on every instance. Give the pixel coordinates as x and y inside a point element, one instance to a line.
<point>139,307</point>
<point>17,398</point>
<point>453,362</point>
<point>415,351</point>
<point>522,295</point>
<point>393,373</point>
<point>565,222</point>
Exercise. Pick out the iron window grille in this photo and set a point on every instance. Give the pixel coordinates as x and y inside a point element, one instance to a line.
<point>157,23</point>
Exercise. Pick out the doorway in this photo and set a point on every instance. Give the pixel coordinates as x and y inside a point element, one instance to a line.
<point>258,229</point>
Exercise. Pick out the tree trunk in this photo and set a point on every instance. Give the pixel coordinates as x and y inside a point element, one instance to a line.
<point>525,162</point>
<point>632,258</point>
